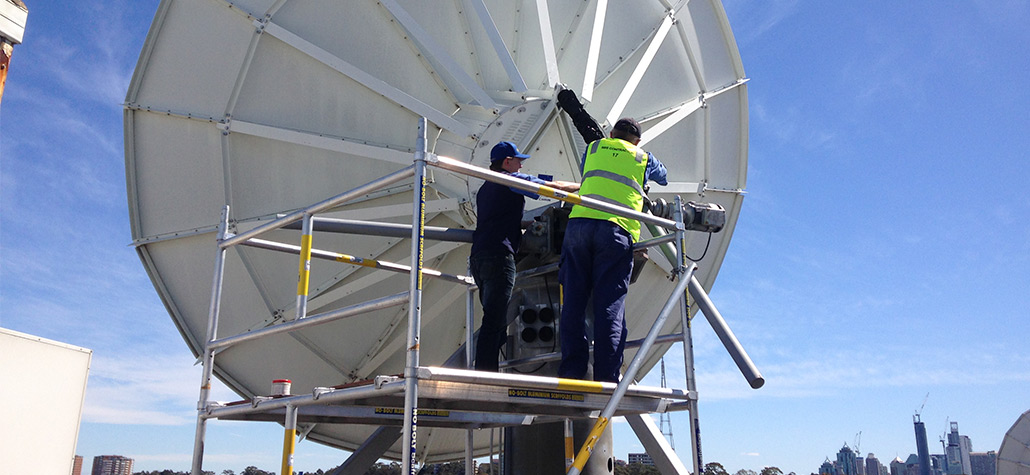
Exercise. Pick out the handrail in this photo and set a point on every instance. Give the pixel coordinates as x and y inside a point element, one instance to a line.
<point>357,261</point>
<point>351,311</point>
<point>372,228</point>
<point>458,166</point>
<point>337,200</point>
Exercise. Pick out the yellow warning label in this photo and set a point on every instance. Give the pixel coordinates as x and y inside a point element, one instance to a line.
<point>554,395</point>
<point>420,412</point>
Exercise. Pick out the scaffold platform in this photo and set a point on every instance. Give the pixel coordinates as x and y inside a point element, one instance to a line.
<point>457,398</point>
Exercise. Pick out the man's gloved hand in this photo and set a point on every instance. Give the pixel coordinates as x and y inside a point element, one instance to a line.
<point>587,127</point>
<point>569,102</point>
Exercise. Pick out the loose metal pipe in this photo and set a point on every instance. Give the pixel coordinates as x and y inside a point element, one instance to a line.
<point>209,352</point>
<point>729,340</point>
<point>630,374</point>
<point>418,222</point>
<point>337,200</point>
<point>726,336</point>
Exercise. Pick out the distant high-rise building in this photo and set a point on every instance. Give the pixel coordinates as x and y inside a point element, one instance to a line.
<point>912,465</point>
<point>957,452</point>
<point>921,447</point>
<point>112,465</point>
<point>965,448</point>
<point>983,463</point>
<point>938,464</point>
<point>77,465</point>
<point>642,459</point>
<point>846,461</point>
<point>897,466</point>
<point>859,463</point>
<point>872,465</point>
<point>827,468</point>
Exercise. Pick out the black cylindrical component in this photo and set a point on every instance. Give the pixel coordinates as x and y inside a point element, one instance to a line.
<point>529,316</point>
<point>546,315</point>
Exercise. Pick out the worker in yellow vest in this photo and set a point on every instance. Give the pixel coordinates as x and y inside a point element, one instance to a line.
<point>597,252</point>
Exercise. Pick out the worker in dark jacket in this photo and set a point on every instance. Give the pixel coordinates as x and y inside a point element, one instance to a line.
<point>494,245</point>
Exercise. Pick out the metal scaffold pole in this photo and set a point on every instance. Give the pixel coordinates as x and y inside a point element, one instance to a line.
<point>688,349</point>
<point>289,439</point>
<point>469,335</point>
<point>418,222</point>
<point>304,272</point>
<point>208,351</point>
<point>688,361</point>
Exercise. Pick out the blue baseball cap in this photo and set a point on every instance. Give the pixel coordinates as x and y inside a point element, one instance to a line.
<point>504,150</point>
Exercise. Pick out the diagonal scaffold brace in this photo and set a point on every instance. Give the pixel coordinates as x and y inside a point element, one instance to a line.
<point>609,410</point>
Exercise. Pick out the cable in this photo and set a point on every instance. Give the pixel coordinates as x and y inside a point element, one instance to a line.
<point>703,254</point>
<point>547,288</point>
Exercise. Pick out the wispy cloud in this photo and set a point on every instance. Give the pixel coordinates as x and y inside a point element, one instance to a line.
<point>1010,15</point>
<point>752,20</point>
<point>793,126</point>
<point>143,389</point>
<point>99,66</point>
<point>833,372</point>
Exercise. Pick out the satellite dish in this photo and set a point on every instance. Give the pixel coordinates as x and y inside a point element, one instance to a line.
<point>270,106</point>
<point>1014,454</point>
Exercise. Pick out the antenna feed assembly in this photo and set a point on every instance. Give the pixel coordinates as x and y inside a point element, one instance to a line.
<point>703,217</point>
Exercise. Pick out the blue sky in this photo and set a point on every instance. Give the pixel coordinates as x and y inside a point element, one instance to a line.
<point>883,251</point>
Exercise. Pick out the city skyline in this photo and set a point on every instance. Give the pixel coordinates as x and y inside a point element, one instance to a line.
<point>862,467</point>
<point>955,458</point>
<point>882,252</point>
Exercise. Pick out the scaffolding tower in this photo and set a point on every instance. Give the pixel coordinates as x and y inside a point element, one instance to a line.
<point>664,423</point>
<point>462,398</point>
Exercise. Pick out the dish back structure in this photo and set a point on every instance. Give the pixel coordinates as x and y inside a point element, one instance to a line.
<point>267,106</point>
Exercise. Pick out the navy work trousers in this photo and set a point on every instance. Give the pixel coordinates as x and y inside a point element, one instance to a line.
<point>494,273</point>
<point>596,259</point>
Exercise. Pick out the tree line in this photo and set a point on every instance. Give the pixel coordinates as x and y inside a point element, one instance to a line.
<point>716,468</point>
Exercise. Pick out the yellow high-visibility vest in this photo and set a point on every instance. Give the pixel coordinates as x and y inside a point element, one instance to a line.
<point>614,173</point>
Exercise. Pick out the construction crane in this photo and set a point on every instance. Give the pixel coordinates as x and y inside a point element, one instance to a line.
<point>920,410</point>
<point>858,440</point>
